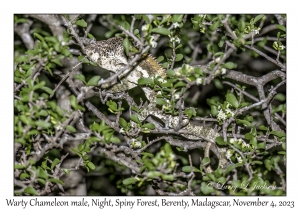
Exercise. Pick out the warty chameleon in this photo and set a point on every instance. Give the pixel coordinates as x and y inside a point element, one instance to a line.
<point>109,54</point>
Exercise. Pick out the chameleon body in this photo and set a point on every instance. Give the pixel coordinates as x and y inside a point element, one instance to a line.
<point>109,54</point>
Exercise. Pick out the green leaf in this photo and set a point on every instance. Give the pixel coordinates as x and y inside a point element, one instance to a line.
<point>280,97</point>
<point>214,26</point>
<point>190,112</point>
<point>268,164</point>
<point>129,181</point>
<point>262,127</point>
<point>93,81</point>
<point>244,122</point>
<point>57,181</point>
<point>241,25</point>
<point>177,18</point>
<point>206,189</point>
<point>284,146</point>
<point>229,168</point>
<point>180,84</point>
<point>149,125</point>
<point>261,145</point>
<point>112,105</point>
<point>123,122</point>
<point>163,31</point>
<point>31,191</point>
<point>169,177</point>
<point>94,139</point>
<point>71,128</point>
<point>153,174</point>
<point>281,27</point>
<point>220,141</point>
<point>145,81</point>
<point>114,140</point>
<point>160,59</point>
<point>24,176</point>
<point>22,58</point>
<point>25,120</point>
<point>188,169</point>
<point>39,37</point>
<point>178,57</point>
<point>126,45</point>
<point>42,181</point>
<point>39,85</point>
<point>54,163</point>
<point>56,61</point>
<point>206,161</point>
<point>257,18</point>
<point>80,77</point>
<point>91,165</point>
<point>253,141</point>
<point>66,171</point>
<point>90,36</point>
<point>42,173</point>
<point>18,166</point>
<point>229,65</point>
<point>135,119</point>
<point>47,90</point>
<point>161,101</point>
<point>43,124</point>
<point>73,101</point>
<point>214,110</point>
<point>81,23</point>
<point>230,98</point>
<point>83,59</point>
<point>278,133</point>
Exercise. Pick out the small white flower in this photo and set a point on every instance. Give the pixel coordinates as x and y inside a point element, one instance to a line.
<point>138,144</point>
<point>240,141</point>
<point>177,40</point>
<point>177,71</point>
<point>239,159</point>
<point>152,42</point>
<point>232,140</point>
<point>199,81</point>
<point>172,156</point>
<point>223,71</point>
<point>122,130</point>
<point>228,154</point>
<point>159,93</point>
<point>221,115</point>
<point>217,59</point>
<point>162,80</point>
<point>281,47</point>
<point>177,96</point>
<point>256,31</point>
<point>135,144</point>
<point>58,127</point>
<point>229,111</point>
<point>145,27</point>
<point>175,25</point>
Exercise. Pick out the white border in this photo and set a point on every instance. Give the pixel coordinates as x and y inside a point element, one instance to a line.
<point>151,6</point>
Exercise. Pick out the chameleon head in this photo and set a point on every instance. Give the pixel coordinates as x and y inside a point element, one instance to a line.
<point>108,54</point>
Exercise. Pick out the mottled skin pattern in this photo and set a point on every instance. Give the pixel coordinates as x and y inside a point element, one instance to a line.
<point>109,54</point>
